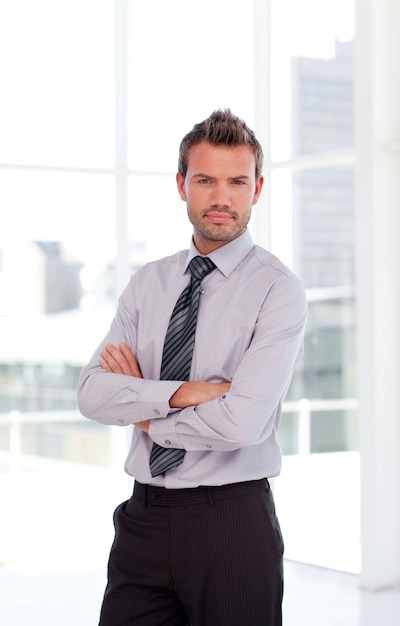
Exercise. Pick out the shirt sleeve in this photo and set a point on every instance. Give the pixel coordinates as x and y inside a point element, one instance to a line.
<point>248,414</point>
<point>117,399</point>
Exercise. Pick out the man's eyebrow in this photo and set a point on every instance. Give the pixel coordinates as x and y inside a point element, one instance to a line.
<point>239,176</point>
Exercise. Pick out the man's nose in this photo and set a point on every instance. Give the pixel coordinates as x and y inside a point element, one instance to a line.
<point>220,196</point>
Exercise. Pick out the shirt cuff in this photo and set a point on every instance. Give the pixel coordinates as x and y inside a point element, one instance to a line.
<point>164,433</point>
<point>153,399</point>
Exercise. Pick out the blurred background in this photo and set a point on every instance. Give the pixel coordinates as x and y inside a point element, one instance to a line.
<point>95,98</point>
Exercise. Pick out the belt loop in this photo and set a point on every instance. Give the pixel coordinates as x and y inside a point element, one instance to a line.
<point>210,498</point>
<point>145,496</point>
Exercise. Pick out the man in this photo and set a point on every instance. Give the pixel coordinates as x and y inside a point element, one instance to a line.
<point>199,542</point>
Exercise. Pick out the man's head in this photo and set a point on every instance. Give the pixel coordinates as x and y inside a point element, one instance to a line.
<point>219,178</point>
<point>221,128</point>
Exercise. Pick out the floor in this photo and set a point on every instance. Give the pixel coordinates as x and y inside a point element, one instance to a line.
<point>54,545</point>
<point>313,597</point>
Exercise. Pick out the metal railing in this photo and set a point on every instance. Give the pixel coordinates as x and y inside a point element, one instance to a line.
<point>15,420</point>
<point>306,407</point>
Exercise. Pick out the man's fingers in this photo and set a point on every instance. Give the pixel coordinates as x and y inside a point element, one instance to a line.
<point>113,360</point>
<point>120,360</point>
<point>105,366</point>
<point>131,359</point>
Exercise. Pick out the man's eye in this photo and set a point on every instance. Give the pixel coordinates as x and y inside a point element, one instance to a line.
<point>204,181</point>
<point>238,182</point>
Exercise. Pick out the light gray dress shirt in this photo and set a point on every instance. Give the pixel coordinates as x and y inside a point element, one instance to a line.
<point>249,332</point>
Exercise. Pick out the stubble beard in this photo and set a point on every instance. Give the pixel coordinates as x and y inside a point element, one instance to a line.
<point>220,232</point>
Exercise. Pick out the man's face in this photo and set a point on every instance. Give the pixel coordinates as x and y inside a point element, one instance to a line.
<point>219,188</point>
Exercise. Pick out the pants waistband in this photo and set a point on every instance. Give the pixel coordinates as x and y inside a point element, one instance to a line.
<point>161,496</point>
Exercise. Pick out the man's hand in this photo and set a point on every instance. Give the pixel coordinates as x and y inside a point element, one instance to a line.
<point>121,360</point>
<point>194,393</point>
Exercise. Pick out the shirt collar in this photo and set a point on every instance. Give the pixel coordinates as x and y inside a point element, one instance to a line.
<point>228,256</point>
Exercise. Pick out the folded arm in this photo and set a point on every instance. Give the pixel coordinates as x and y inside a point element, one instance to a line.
<point>121,360</point>
<point>113,389</point>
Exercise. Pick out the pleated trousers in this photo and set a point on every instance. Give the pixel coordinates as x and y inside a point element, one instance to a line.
<point>208,556</point>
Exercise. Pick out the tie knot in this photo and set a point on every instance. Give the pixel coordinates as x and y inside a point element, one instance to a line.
<point>201,266</point>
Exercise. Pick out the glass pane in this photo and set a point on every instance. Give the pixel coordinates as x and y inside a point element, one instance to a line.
<point>193,65</point>
<point>311,79</point>
<point>324,215</point>
<point>313,231</point>
<point>158,222</point>
<point>324,259</point>
<point>75,209</point>
<point>320,232</point>
<point>57,249</point>
<point>57,82</point>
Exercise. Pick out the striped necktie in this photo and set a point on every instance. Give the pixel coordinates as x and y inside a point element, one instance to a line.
<point>178,350</point>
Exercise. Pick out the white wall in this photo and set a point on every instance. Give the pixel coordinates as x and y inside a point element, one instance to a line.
<point>378,249</point>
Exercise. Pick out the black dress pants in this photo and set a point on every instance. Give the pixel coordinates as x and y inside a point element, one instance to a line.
<point>209,556</point>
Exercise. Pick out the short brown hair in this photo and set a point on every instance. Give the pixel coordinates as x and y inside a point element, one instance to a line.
<point>222,127</point>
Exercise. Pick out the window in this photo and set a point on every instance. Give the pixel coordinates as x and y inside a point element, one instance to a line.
<point>311,175</point>
<point>98,94</point>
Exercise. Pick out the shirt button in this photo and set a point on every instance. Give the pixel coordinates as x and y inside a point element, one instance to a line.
<point>156,412</point>
<point>167,441</point>
<point>121,421</point>
<point>208,445</point>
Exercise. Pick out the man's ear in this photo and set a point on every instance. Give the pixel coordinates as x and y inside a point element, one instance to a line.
<point>259,185</point>
<point>180,181</point>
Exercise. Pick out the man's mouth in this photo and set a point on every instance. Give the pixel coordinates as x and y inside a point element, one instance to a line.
<point>217,217</point>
